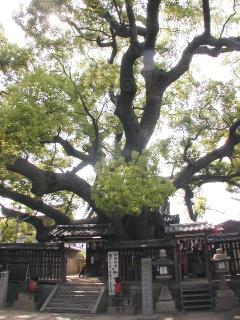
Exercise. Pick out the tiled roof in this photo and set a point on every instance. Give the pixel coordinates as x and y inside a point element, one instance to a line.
<point>189,227</point>
<point>224,237</point>
<point>81,232</point>
<point>141,244</point>
<point>230,226</point>
<point>31,246</point>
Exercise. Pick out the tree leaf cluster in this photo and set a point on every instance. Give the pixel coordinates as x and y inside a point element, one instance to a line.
<point>126,188</point>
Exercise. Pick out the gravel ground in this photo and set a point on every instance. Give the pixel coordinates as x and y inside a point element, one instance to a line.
<point>8,314</point>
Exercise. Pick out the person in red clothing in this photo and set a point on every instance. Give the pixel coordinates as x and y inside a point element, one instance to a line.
<point>33,285</point>
<point>118,287</point>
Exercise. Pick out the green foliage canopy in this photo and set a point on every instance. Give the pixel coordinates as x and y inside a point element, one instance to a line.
<point>99,83</point>
<point>126,188</point>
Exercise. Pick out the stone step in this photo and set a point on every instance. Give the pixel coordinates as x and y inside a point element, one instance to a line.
<point>81,305</point>
<point>77,294</point>
<point>80,288</point>
<point>72,302</point>
<point>75,298</point>
<point>205,294</point>
<point>195,290</point>
<point>196,298</point>
<point>198,307</point>
<point>85,285</point>
<point>194,285</point>
<point>97,288</point>
<point>69,310</point>
<point>196,301</point>
<point>79,298</point>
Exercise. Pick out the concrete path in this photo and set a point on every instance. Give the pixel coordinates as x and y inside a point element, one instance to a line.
<point>7,314</point>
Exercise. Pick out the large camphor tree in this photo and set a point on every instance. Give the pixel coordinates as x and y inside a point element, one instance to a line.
<point>104,106</point>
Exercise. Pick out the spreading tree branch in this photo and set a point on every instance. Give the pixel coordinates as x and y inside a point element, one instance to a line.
<point>206,17</point>
<point>152,23</point>
<point>38,205</point>
<point>41,230</point>
<point>203,44</point>
<point>121,29</point>
<point>71,151</point>
<point>118,10</point>
<point>185,176</point>
<point>96,142</point>
<point>185,151</point>
<point>183,64</point>
<point>132,22</point>
<point>189,204</point>
<point>151,75</point>
<point>45,182</point>
<point>201,179</point>
<point>124,102</point>
<point>229,18</point>
<point>114,47</point>
<point>158,80</point>
<point>112,44</point>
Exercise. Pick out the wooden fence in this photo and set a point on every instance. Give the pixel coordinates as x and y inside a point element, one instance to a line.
<point>130,256</point>
<point>46,261</point>
<point>130,262</point>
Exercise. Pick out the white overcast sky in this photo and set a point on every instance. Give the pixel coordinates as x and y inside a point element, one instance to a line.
<point>12,30</point>
<point>222,205</point>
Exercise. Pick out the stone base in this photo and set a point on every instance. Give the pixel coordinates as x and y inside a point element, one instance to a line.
<point>225,303</point>
<point>165,306</point>
<point>130,310</point>
<point>22,296</point>
<point>25,302</point>
<point>224,293</point>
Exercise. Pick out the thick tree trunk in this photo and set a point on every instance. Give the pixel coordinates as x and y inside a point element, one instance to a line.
<point>147,225</point>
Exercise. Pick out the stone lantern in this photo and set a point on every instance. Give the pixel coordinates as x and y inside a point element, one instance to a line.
<point>221,267</point>
<point>163,268</point>
<point>224,295</point>
<point>220,260</point>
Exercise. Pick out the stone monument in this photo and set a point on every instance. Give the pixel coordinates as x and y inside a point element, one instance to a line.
<point>147,294</point>
<point>3,287</point>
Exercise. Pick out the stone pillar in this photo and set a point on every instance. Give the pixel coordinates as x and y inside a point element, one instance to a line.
<point>147,294</point>
<point>3,287</point>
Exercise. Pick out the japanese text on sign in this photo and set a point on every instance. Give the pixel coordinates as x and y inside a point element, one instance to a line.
<point>113,270</point>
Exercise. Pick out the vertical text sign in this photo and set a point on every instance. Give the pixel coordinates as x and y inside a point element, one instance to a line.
<point>113,271</point>
<point>147,298</point>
